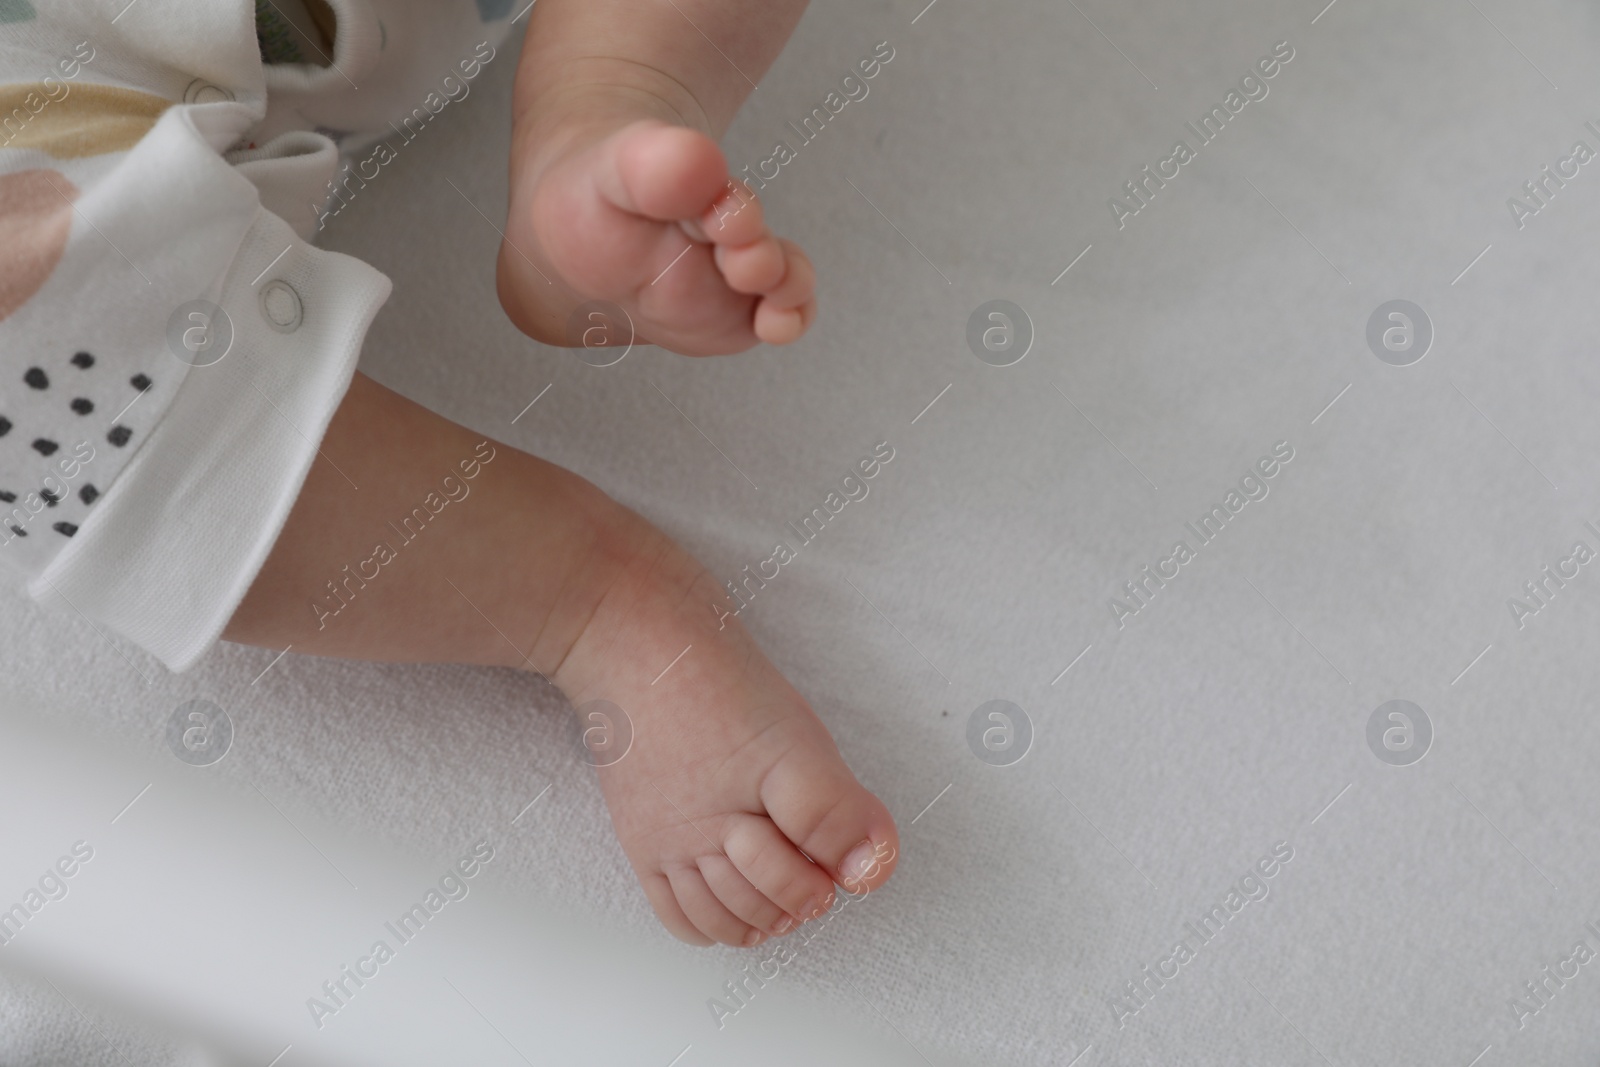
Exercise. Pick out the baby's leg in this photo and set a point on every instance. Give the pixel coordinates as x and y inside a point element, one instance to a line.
<point>618,189</point>
<point>458,549</point>
<point>527,538</point>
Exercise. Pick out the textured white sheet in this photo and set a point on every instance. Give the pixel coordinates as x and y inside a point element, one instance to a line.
<point>1231,711</point>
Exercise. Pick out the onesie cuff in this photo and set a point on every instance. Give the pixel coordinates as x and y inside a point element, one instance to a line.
<point>172,547</point>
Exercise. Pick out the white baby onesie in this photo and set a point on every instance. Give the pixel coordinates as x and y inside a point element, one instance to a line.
<point>172,344</point>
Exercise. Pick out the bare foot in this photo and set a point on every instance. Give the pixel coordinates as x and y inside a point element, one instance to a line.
<point>733,803</point>
<point>644,214</point>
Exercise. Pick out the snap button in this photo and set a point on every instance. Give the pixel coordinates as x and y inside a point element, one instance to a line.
<point>280,306</point>
<point>201,91</point>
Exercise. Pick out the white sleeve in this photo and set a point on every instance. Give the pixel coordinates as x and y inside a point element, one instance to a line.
<point>171,350</point>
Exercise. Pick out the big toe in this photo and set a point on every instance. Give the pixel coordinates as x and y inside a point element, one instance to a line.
<point>835,820</point>
<point>663,172</point>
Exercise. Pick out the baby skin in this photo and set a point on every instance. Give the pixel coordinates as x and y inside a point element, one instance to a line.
<point>733,804</point>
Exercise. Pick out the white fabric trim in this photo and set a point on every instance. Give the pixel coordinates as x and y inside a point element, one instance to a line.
<point>154,562</point>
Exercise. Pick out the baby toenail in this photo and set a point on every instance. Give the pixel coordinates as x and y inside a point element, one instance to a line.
<point>753,938</point>
<point>782,926</point>
<point>859,864</point>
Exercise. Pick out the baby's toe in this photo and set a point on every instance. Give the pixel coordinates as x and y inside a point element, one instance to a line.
<point>782,326</point>
<point>787,308</point>
<point>735,218</point>
<point>753,268</point>
<point>743,899</point>
<point>662,172</point>
<point>708,914</point>
<point>659,891</point>
<point>799,281</point>
<point>771,863</point>
<point>815,800</point>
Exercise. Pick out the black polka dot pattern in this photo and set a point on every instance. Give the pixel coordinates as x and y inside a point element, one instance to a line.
<point>58,413</point>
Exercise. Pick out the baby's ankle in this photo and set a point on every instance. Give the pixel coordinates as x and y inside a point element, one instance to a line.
<point>551,560</point>
<point>644,586</point>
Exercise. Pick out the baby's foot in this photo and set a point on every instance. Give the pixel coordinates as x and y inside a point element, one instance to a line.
<point>732,803</point>
<point>646,216</point>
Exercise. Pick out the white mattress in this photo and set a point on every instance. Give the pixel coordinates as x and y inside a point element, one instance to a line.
<point>1227,714</point>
